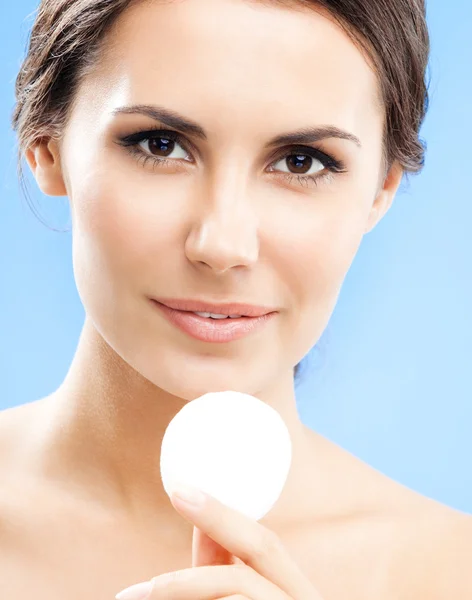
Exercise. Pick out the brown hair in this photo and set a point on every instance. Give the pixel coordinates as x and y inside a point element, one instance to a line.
<point>66,41</point>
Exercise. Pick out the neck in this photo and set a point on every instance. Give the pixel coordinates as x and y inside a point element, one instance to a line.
<point>107,427</point>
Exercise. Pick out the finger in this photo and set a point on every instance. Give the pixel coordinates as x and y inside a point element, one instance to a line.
<point>206,552</point>
<point>256,545</point>
<point>215,583</point>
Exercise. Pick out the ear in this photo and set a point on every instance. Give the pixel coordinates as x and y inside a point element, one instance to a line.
<point>45,163</point>
<point>385,196</point>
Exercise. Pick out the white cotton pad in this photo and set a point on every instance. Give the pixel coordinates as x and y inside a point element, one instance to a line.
<point>232,446</point>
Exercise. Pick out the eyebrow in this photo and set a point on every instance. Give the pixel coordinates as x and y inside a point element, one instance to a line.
<point>306,135</point>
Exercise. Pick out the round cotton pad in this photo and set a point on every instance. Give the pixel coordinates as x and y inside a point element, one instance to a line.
<point>232,446</point>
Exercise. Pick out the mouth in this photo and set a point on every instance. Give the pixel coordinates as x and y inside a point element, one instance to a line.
<point>233,309</point>
<point>215,323</point>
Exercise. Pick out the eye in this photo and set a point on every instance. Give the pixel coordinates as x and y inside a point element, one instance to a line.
<point>301,164</point>
<point>157,146</point>
<point>308,166</point>
<point>163,148</point>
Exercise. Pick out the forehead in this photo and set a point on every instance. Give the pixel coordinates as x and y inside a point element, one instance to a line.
<point>225,59</point>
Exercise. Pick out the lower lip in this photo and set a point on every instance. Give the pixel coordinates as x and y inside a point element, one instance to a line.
<point>218,331</point>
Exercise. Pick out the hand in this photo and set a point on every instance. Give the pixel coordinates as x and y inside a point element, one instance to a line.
<point>232,556</point>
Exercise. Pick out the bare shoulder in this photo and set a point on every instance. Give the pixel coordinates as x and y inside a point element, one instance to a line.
<point>16,431</point>
<point>450,555</point>
<point>11,420</point>
<point>389,541</point>
<point>431,554</point>
<point>20,428</point>
<point>15,423</point>
<point>435,558</point>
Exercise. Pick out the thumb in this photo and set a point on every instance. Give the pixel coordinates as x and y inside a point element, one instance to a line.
<point>206,552</point>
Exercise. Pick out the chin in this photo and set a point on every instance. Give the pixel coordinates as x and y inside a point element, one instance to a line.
<point>188,371</point>
<point>190,377</point>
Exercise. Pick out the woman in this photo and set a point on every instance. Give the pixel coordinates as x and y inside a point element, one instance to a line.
<point>221,157</point>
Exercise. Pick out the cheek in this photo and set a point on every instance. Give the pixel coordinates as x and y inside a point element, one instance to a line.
<point>313,259</point>
<point>316,245</point>
<point>124,228</point>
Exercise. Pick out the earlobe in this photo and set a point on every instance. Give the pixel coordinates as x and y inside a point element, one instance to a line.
<point>385,196</point>
<point>45,164</point>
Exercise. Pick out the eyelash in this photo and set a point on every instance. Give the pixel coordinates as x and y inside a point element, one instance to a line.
<point>131,143</point>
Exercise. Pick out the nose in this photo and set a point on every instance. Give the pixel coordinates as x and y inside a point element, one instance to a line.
<point>224,235</point>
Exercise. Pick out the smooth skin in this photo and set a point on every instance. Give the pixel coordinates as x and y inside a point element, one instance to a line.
<point>232,556</point>
<point>83,513</point>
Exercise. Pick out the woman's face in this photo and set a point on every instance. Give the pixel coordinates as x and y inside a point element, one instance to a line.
<point>226,218</point>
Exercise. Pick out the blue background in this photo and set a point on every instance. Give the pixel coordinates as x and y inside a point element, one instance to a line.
<point>391,380</point>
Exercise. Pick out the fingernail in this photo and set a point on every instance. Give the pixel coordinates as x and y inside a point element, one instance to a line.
<point>140,591</point>
<point>189,495</point>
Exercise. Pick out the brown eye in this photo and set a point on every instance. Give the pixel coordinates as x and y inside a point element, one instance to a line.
<point>163,147</point>
<point>300,164</point>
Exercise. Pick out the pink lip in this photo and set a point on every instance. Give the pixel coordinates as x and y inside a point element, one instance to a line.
<point>214,330</point>
<point>233,308</point>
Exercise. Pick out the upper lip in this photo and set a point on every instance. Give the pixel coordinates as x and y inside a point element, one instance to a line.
<point>232,308</point>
